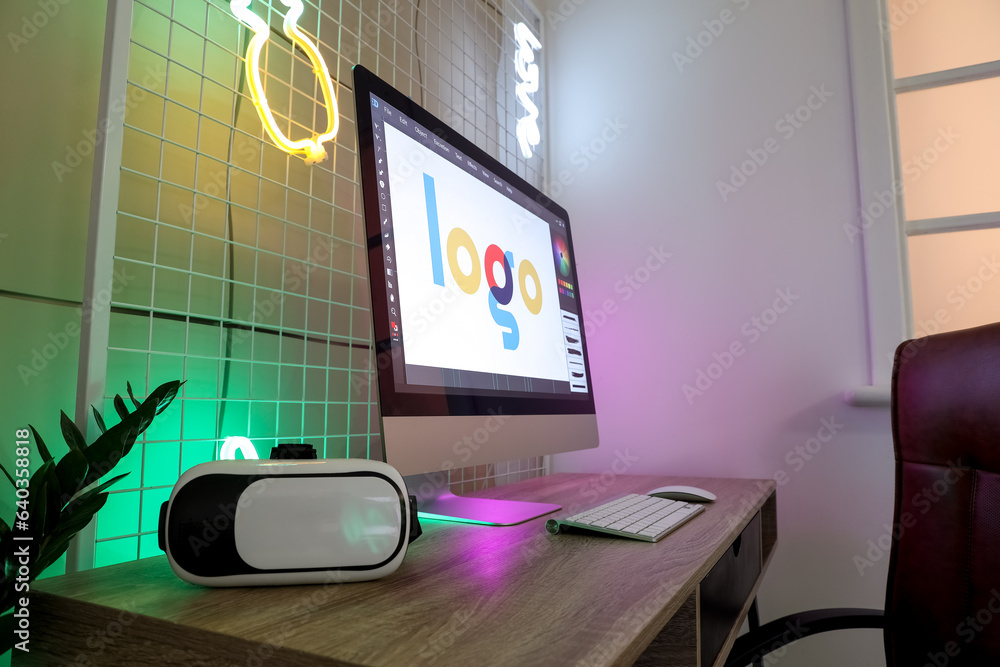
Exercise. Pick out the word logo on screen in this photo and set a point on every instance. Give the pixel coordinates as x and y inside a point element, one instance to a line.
<point>470,282</point>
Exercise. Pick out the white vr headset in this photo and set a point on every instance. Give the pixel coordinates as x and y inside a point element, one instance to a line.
<point>280,522</point>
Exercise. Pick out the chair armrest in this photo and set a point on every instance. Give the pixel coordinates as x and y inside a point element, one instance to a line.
<point>772,636</point>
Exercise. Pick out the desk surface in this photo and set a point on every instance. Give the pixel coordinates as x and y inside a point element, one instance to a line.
<point>464,595</point>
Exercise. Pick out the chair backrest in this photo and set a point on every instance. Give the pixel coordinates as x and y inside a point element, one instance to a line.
<point>943,595</point>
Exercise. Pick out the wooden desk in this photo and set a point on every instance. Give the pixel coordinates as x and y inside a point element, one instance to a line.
<point>465,595</point>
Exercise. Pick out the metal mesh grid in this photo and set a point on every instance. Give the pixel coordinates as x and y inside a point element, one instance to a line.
<point>242,270</point>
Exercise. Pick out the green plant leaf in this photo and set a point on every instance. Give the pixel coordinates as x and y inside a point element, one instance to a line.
<point>128,386</point>
<point>7,626</point>
<point>74,520</point>
<point>120,407</point>
<point>71,471</point>
<point>55,545</point>
<point>38,508</point>
<point>8,475</point>
<point>51,551</point>
<point>59,504</point>
<point>105,452</point>
<point>163,395</point>
<point>42,449</point>
<point>71,434</point>
<point>88,495</point>
<point>6,558</point>
<point>53,500</point>
<point>99,419</point>
<point>103,485</point>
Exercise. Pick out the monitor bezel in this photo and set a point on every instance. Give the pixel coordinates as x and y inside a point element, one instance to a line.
<point>442,401</point>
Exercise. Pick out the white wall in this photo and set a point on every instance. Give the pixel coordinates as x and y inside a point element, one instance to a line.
<point>674,133</point>
<point>50,71</point>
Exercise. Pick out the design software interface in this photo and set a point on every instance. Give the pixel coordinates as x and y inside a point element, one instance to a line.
<point>479,282</point>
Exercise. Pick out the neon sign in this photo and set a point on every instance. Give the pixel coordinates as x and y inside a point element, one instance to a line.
<point>528,134</point>
<point>237,443</point>
<point>311,149</point>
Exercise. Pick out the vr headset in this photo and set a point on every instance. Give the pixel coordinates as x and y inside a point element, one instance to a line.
<point>283,522</point>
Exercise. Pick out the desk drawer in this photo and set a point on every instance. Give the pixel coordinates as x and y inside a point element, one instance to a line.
<point>725,589</point>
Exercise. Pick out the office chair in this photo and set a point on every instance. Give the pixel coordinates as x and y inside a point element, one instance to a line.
<point>942,604</point>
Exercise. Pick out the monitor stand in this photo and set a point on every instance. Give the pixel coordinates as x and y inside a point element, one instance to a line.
<point>436,501</point>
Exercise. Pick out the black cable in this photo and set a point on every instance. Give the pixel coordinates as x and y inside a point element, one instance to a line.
<point>416,51</point>
<point>230,229</point>
<point>231,235</point>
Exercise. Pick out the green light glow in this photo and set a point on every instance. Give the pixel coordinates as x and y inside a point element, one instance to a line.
<point>451,519</point>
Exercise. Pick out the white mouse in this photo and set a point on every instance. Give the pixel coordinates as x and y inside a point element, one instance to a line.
<point>688,494</point>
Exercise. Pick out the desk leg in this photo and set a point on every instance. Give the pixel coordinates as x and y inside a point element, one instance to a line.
<point>753,618</point>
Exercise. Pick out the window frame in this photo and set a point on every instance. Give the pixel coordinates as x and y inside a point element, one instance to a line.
<point>886,255</point>
<point>879,222</point>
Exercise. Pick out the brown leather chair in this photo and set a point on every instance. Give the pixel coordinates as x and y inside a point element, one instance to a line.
<point>942,604</point>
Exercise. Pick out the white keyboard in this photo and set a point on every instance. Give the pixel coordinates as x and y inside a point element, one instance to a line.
<point>637,516</point>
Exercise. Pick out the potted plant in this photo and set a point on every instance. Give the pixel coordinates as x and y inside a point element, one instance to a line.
<point>61,497</point>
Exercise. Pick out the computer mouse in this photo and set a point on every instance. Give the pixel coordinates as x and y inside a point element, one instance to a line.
<point>688,494</point>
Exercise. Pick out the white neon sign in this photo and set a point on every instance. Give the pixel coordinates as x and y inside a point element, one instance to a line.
<point>311,149</point>
<point>528,134</point>
<point>237,443</point>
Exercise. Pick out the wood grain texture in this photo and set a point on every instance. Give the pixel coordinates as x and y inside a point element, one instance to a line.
<point>464,595</point>
<point>677,643</point>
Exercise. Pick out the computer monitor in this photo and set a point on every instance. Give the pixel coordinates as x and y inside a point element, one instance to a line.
<point>478,327</point>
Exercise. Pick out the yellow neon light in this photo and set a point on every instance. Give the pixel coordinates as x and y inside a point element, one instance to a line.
<point>311,149</point>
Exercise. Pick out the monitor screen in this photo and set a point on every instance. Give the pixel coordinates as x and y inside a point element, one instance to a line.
<point>475,298</point>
